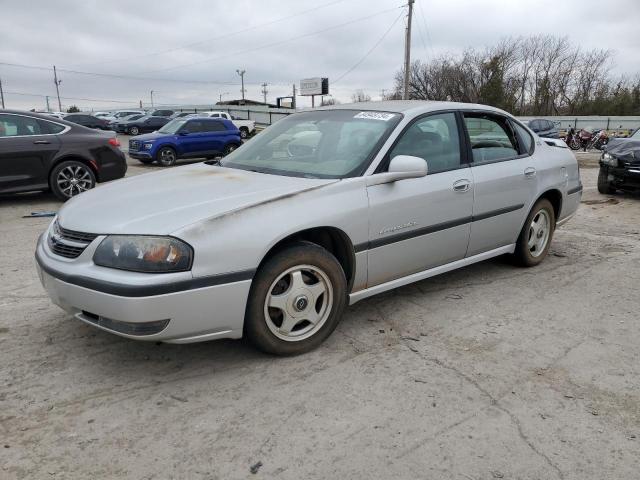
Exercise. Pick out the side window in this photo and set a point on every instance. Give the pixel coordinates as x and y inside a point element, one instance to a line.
<point>215,115</point>
<point>524,138</point>
<point>434,138</point>
<point>491,139</point>
<point>214,126</point>
<point>16,125</point>
<point>50,127</point>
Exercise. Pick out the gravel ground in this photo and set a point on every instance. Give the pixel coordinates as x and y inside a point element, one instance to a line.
<point>483,373</point>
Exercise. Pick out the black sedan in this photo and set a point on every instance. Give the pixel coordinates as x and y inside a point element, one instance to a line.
<point>39,152</point>
<point>620,165</point>
<point>144,124</point>
<point>88,121</point>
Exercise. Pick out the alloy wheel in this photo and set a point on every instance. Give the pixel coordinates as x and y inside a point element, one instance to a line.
<point>73,180</point>
<point>298,303</point>
<point>167,156</point>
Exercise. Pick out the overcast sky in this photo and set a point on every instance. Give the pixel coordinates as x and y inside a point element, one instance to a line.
<point>181,49</point>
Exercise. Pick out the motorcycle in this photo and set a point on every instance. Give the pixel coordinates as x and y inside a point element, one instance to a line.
<point>572,140</point>
<point>598,140</point>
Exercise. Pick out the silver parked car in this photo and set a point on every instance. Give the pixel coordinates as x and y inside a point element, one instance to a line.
<point>322,209</point>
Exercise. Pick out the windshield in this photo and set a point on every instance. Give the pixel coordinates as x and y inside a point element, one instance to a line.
<point>173,126</point>
<point>319,144</point>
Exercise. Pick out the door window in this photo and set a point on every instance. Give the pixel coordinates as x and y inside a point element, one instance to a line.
<point>434,138</point>
<point>16,125</point>
<point>492,139</point>
<point>524,138</point>
<point>215,126</point>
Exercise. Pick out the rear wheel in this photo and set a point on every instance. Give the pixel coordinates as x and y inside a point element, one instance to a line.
<point>134,131</point>
<point>70,178</point>
<point>166,156</point>
<point>228,149</point>
<point>244,132</point>
<point>604,185</point>
<point>296,300</point>
<point>534,240</point>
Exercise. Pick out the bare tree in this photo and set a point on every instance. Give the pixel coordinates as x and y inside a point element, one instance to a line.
<point>360,96</point>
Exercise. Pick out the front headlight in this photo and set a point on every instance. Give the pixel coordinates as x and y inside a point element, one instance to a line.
<point>148,146</point>
<point>144,254</point>
<point>609,160</point>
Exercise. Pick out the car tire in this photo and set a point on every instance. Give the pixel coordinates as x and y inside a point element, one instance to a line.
<point>69,178</point>
<point>228,149</point>
<point>604,185</point>
<point>535,238</point>
<point>166,156</point>
<point>244,132</point>
<point>296,300</point>
<point>134,131</point>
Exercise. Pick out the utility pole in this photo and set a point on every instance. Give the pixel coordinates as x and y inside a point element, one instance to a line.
<point>264,91</point>
<point>222,94</point>
<point>407,51</point>
<point>241,73</point>
<point>382,93</point>
<point>293,103</point>
<point>1,93</point>
<point>151,98</point>
<point>57,82</point>
<point>47,99</point>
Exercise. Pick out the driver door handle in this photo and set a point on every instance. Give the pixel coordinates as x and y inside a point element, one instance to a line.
<point>42,142</point>
<point>529,172</point>
<point>461,186</point>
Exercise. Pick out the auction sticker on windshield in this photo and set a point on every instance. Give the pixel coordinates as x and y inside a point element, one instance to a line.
<point>375,116</point>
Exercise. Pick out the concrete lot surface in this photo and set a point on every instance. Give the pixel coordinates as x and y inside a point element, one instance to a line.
<point>487,372</point>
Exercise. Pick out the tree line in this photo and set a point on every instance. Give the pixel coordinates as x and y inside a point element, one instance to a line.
<point>527,76</point>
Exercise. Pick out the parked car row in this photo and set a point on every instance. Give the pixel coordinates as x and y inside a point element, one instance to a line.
<point>135,122</point>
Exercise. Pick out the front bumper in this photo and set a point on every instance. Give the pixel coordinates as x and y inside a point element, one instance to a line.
<point>180,315</point>
<point>142,154</point>
<point>627,177</point>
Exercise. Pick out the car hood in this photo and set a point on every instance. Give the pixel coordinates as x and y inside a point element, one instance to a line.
<point>151,136</point>
<point>162,202</point>
<point>625,149</point>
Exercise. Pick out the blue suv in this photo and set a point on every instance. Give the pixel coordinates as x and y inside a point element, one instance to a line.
<point>186,138</point>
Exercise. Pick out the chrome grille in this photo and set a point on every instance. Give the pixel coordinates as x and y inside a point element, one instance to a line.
<point>68,243</point>
<point>134,145</point>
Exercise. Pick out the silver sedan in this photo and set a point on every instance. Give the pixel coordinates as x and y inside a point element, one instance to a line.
<point>323,209</point>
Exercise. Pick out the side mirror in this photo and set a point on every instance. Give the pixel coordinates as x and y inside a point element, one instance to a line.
<point>401,167</point>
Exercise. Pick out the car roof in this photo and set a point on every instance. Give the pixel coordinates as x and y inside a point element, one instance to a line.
<point>411,107</point>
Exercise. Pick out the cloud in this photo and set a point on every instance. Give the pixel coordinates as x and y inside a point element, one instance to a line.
<point>145,39</point>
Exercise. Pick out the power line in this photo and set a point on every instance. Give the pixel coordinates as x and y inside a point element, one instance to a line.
<point>220,37</point>
<point>72,98</point>
<point>375,45</point>
<point>275,44</point>
<point>426,28</point>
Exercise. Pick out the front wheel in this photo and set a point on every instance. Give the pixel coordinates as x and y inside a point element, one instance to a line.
<point>604,185</point>
<point>296,300</point>
<point>166,156</point>
<point>534,240</point>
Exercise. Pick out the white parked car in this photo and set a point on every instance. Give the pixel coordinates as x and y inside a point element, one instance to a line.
<point>246,127</point>
<point>273,242</point>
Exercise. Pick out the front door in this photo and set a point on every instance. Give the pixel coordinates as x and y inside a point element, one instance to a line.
<point>422,223</point>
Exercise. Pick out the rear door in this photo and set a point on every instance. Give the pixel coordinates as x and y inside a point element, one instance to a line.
<point>27,145</point>
<point>422,223</point>
<point>504,177</point>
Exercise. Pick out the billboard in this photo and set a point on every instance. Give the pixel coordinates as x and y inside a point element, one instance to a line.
<point>314,86</point>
